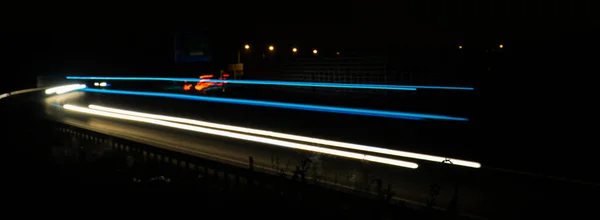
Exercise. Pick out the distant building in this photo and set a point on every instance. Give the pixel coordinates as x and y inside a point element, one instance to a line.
<point>363,70</point>
<point>366,70</point>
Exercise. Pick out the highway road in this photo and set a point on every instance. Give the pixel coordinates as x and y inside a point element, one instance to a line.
<point>484,192</point>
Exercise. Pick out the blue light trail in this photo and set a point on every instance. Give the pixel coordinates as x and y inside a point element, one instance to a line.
<point>306,107</point>
<point>277,83</point>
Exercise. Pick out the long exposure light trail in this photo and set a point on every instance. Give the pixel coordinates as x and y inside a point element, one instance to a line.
<point>277,83</point>
<point>312,140</point>
<point>306,107</point>
<point>247,137</point>
<point>65,89</point>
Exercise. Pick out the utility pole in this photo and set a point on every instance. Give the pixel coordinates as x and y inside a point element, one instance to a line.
<point>238,63</point>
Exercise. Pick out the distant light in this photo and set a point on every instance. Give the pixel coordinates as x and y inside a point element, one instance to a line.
<point>247,47</point>
<point>460,47</point>
<point>315,51</point>
<point>103,84</point>
<point>294,50</point>
<point>271,48</point>
<point>501,46</point>
<point>96,84</point>
<point>337,53</point>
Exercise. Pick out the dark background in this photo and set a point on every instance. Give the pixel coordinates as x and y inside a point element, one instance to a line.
<point>136,37</point>
<point>541,89</point>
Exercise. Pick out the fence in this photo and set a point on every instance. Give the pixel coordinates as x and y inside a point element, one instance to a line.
<point>297,176</point>
<point>366,70</point>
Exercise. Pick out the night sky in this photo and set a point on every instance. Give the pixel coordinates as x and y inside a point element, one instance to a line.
<point>137,37</point>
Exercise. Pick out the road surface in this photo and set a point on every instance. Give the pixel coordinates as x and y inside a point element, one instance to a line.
<point>487,192</point>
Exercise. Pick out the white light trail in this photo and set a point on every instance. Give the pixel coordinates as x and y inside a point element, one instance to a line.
<point>64,89</point>
<point>352,146</point>
<point>25,91</point>
<point>247,137</point>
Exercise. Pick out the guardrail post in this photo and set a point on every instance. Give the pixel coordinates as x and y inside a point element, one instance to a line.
<point>251,173</point>
<point>434,191</point>
<point>81,154</point>
<point>379,188</point>
<point>335,178</point>
<point>453,205</point>
<point>251,163</point>
<point>452,208</point>
<point>389,194</point>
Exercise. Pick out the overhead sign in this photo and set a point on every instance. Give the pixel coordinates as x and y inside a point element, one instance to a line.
<point>236,67</point>
<point>192,47</point>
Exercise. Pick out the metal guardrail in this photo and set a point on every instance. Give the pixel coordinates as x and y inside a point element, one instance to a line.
<point>300,172</point>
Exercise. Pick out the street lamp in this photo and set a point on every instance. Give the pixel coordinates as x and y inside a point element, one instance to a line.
<point>501,46</point>
<point>460,47</point>
<point>246,47</point>
<point>271,48</point>
<point>294,50</point>
<point>239,60</point>
<point>315,51</point>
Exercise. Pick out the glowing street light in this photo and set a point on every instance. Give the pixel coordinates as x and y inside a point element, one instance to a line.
<point>271,48</point>
<point>460,47</point>
<point>501,46</point>
<point>294,50</point>
<point>247,47</point>
<point>315,51</point>
<point>337,53</point>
